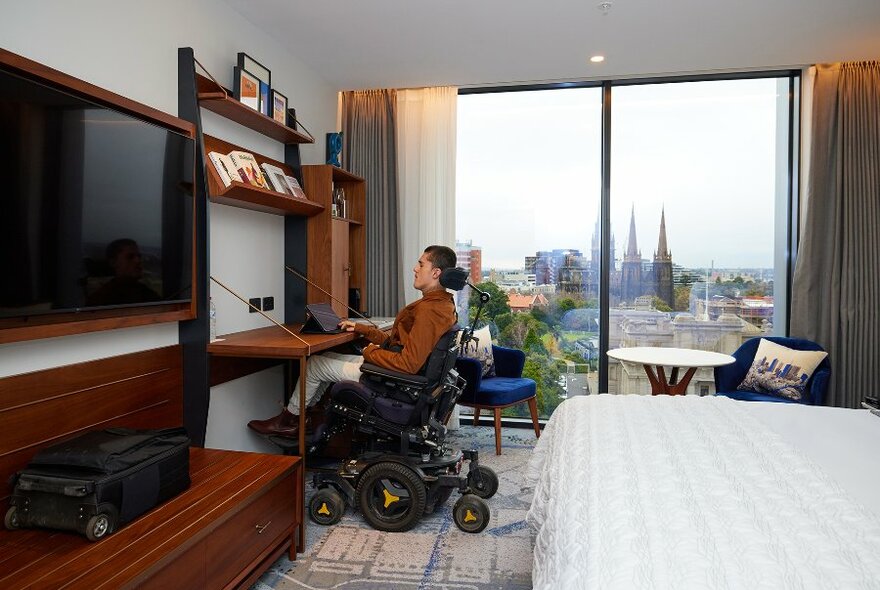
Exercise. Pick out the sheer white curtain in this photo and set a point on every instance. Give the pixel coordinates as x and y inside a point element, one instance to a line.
<point>426,177</point>
<point>426,172</point>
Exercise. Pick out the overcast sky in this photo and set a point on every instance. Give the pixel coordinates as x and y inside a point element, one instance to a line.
<point>528,171</point>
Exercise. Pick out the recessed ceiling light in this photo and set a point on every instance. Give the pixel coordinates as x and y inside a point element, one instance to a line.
<point>597,59</point>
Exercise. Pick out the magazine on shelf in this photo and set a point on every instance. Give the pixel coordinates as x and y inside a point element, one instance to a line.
<point>248,168</point>
<point>295,188</point>
<point>225,169</point>
<point>276,178</point>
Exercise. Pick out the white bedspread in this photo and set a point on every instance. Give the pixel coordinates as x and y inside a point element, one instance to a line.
<point>689,492</point>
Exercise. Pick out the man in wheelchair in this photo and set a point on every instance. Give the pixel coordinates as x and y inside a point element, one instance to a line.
<point>417,328</point>
<point>396,399</point>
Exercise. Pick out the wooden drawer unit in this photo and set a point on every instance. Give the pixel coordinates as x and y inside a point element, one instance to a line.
<point>245,540</point>
<point>238,516</point>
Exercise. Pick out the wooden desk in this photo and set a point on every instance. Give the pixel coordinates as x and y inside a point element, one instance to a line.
<point>273,342</point>
<point>656,358</point>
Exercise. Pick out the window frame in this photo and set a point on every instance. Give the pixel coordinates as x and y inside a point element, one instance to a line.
<point>786,230</point>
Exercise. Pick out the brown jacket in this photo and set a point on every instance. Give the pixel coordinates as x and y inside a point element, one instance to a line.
<point>417,328</point>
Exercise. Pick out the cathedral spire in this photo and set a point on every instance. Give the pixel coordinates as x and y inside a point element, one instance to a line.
<point>632,248</point>
<point>662,252</point>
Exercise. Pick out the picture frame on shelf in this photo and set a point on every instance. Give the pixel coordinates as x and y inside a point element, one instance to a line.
<point>264,75</point>
<point>247,88</point>
<point>279,107</point>
<point>291,118</point>
<point>265,94</point>
<point>257,69</point>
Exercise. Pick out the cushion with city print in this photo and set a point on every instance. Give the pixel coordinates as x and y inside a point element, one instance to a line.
<point>480,348</point>
<point>779,370</point>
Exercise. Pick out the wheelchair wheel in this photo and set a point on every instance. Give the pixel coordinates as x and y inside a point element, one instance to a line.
<point>326,506</point>
<point>471,513</point>
<point>483,482</point>
<point>391,496</point>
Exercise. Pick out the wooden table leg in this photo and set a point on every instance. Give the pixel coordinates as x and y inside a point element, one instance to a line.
<point>661,386</point>
<point>657,386</point>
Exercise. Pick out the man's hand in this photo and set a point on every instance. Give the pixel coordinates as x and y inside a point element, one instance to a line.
<point>347,325</point>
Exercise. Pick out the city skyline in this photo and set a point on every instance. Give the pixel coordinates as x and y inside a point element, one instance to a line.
<point>706,152</point>
<point>487,266</point>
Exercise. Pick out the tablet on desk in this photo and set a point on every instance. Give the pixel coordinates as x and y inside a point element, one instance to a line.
<point>321,319</point>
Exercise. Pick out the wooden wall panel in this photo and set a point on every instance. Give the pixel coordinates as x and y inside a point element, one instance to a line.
<point>138,390</point>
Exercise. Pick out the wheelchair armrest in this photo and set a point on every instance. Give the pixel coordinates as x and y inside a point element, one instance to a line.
<point>405,378</point>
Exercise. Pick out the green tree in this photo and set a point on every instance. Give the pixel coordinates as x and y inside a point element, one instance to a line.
<point>514,333</point>
<point>541,315</point>
<point>660,305</point>
<point>503,320</point>
<point>532,343</point>
<point>682,298</point>
<point>546,375</point>
<point>496,305</point>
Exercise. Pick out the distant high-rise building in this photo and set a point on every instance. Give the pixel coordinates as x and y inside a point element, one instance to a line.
<point>470,258</point>
<point>564,268</point>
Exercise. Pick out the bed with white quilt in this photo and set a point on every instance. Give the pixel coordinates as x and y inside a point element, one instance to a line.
<point>686,492</point>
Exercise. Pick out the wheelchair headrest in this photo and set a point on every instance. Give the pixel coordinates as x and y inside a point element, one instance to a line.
<point>454,278</point>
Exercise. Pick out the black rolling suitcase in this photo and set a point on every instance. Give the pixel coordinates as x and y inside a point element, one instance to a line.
<point>100,480</point>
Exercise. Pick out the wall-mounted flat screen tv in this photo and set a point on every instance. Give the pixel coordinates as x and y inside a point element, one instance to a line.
<point>96,206</point>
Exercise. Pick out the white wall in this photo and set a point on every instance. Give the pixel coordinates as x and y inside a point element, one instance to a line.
<point>131,48</point>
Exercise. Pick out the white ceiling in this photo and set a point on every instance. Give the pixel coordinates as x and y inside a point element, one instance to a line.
<point>359,44</point>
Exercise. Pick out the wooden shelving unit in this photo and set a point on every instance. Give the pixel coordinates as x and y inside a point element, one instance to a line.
<point>246,196</point>
<point>336,245</point>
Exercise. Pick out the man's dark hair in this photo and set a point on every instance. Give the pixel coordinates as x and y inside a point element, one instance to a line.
<point>441,257</point>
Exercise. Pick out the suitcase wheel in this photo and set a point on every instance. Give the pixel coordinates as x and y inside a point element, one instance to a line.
<point>11,519</point>
<point>99,526</point>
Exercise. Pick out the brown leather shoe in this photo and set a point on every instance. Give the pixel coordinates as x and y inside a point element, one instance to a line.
<point>284,424</point>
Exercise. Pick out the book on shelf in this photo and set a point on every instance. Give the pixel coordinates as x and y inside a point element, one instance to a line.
<point>295,188</point>
<point>225,168</point>
<point>248,168</point>
<point>276,178</point>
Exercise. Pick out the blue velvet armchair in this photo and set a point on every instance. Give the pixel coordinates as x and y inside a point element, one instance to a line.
<point>507,388</point>
<point>728,377</point>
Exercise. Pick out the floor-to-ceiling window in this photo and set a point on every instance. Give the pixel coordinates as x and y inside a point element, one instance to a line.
<point>695,180</point>
<point>697,204</point>
<point>527,193</point>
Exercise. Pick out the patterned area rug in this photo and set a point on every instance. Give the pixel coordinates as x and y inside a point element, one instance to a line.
<point>435,554</point>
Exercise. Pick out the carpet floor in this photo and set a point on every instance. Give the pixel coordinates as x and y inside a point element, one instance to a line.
<point>435,554</point>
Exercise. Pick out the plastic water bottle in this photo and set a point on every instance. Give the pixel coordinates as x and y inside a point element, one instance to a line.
<point>212,319</point>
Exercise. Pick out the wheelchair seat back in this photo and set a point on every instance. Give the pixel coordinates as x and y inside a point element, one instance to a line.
<point>405,400</point>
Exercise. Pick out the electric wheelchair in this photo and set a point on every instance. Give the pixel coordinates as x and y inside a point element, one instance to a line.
<point>399,466</point>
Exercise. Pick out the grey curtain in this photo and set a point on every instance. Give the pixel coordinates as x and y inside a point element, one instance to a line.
<point>369,120</point>
<point>836,288</point>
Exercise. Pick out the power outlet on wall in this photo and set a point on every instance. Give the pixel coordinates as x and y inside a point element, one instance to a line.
<point>254,303</point>
<point>268,303</point>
